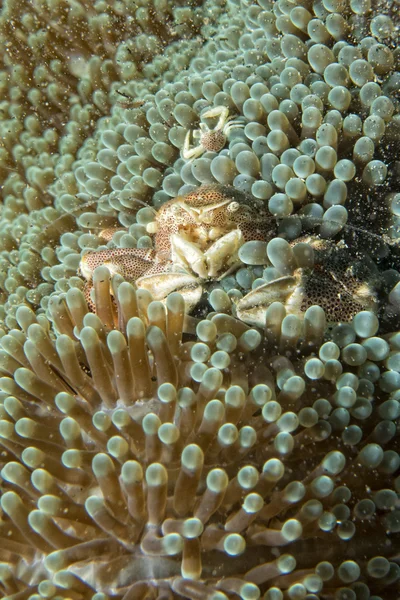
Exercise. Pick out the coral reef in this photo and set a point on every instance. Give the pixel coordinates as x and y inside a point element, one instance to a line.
<point>248,450</point>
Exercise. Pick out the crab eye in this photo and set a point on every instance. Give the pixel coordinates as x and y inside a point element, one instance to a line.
<point>233,206</point>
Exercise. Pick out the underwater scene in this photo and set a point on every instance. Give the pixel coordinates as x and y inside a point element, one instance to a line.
<point>200,300</point>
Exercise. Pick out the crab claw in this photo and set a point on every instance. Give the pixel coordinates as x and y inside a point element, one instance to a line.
<point>162,284</point>
<point>252,308</point>
<point>223,254</point>
<point>188,255</point>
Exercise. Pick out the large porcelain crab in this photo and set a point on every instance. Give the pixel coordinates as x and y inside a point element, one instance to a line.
<point>197,237</point>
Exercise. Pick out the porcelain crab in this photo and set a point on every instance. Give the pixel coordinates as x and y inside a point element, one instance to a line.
<point>196,238</point>
<point>211,139</point>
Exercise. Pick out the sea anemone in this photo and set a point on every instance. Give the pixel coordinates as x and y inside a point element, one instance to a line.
<point>149,455</point>
<point>64,67</point>
<point>316,86</point>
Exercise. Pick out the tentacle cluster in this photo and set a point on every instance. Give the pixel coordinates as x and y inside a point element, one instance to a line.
<point>149,455</point>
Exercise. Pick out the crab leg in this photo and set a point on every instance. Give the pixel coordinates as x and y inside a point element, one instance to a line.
<point>165,283</point>
<point>189,153</point>
<point>221,112</point>
<point>131,263</point>
<point>192,153</point>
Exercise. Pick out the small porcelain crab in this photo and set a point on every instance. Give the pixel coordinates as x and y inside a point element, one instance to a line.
<point>211,139</point>
<point>196,238</point>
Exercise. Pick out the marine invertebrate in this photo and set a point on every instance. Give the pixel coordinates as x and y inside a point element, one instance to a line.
<point>311,271</point>
<point>207,235</point>
<point>307,146</point>
<point>139,461</point>
<point>62,65</point>
<point>214,139</point>
<point>199,234</point>
<point>283,156</point>
<point>315,82</point>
